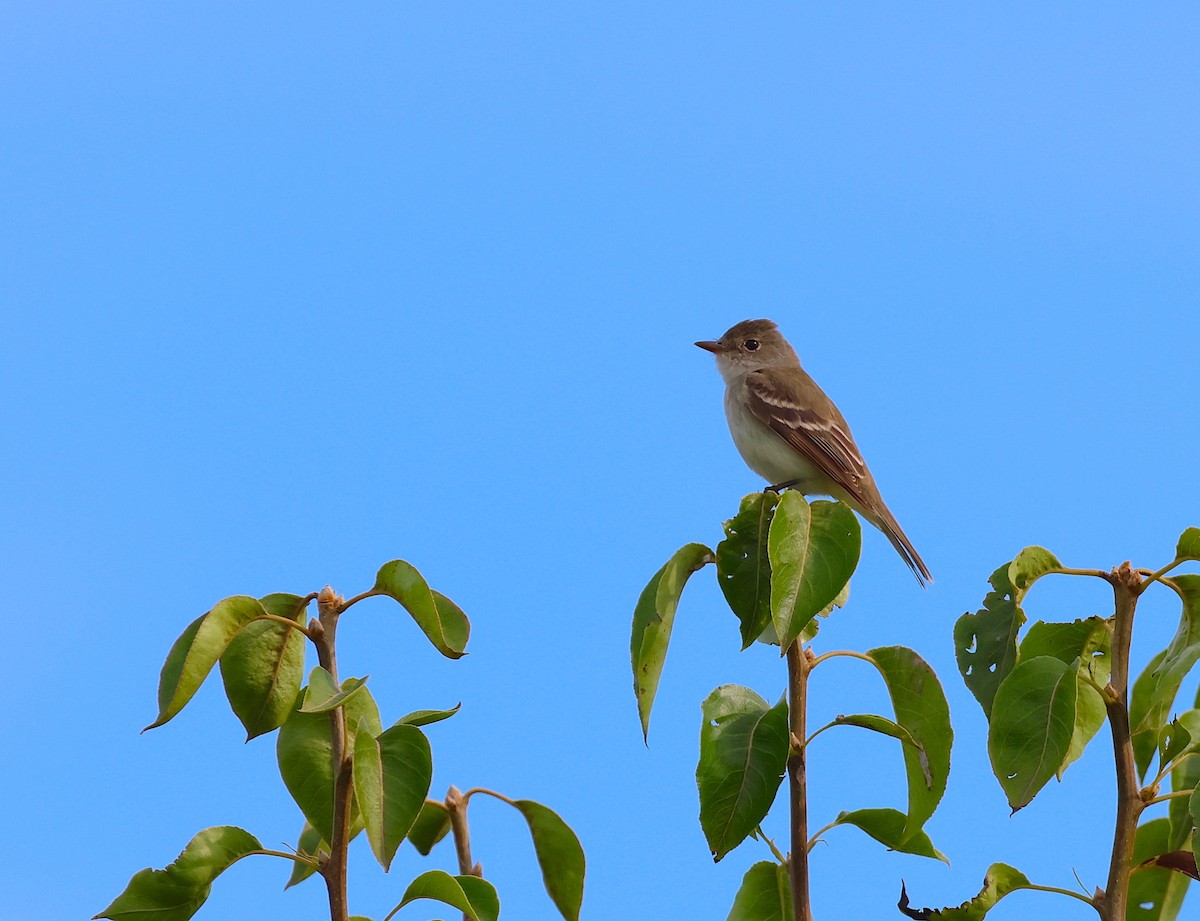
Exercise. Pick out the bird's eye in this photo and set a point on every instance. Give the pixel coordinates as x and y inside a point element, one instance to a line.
<point>751,345</point>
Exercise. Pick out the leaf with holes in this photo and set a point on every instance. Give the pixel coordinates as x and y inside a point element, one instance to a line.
<point>1030,565</point>
<point>1155,893</point>
<point>743,567</point>
<point>985,643</point>
<point>999,881</point>
<point>1033,721</point>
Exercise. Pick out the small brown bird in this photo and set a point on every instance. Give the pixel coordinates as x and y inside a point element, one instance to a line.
<point>790,433</point>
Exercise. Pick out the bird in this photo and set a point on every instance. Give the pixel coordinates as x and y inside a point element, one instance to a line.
<point>792,435</point>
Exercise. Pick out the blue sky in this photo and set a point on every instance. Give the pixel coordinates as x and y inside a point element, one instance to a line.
<point>292,290</point>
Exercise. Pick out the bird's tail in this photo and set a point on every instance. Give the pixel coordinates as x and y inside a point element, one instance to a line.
<point>886,522</point>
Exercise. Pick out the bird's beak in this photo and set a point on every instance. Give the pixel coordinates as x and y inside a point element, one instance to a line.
<point>712,345</point>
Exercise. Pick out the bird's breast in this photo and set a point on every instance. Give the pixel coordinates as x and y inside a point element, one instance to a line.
<point>764,451</point>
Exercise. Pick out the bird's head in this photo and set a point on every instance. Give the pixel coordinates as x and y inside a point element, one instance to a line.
<point>751,346</point>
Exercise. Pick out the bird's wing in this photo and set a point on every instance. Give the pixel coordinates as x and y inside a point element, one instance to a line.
<point>814,427</point>
<point>811,424</point>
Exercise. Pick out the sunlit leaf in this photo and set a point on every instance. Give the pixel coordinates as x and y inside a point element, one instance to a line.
<point>392,772</point>
<point>653,619</point>
<point>431,826</point>
<point>921,709</point>
<point>262,668</point>
<point>323,695</point>
<point>197,651</point>
<point>438,617</point>
<point>1030,565</point>
<point>985,643</point>
<point>1155,689</point>
<point>1000,880</point>
<point>743,753</point>
<point>1089,642</point>
<point>1033,721</point>
<point>1188,547</point>
<point>175,893</point>
<point>765,894</point>
<point>559,855</point>
<point>813,549</point>
<point>743,567</point>
<point>304,749</point>
<point>425,717</point>
<point>471,895</point>
<point>887,827</point>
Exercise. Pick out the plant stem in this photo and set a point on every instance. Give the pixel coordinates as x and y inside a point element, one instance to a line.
<point>799,665</point>
<point>323,631</point>
<point>1113,905</point>
<point>456,806</point>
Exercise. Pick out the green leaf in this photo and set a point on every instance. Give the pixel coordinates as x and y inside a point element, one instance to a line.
<point>304,749</point>
<point>425,717</point>
<point>471,895</point>
<point>985,643</point>
<point>653,619</point>
<point>1155,689</point>
<point>1173,740</point>
<point>999,881</point>
<point>1155,893</point>
<point>323,695</point>
<point>1193,802</point>
<point>813,551</point>
<point>1033,720</point>
<point>431,826</point>
<point>1188,547</point>
<point>438,617</point>
<point>1030,565</point>
<point>1089,642</point>
<point>922,711</point>
<point>559,854</point>
<point>765,894</point>
<point>309,845</point>
<point>175,894</point>
<point>1184,776</point>
<point>197,651</point>
<point>743,567</point>
<point>743,753</point>
<point>880,724</point>
<point>887,827</point>
<point>392,773</point>
<point>263,666</point>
